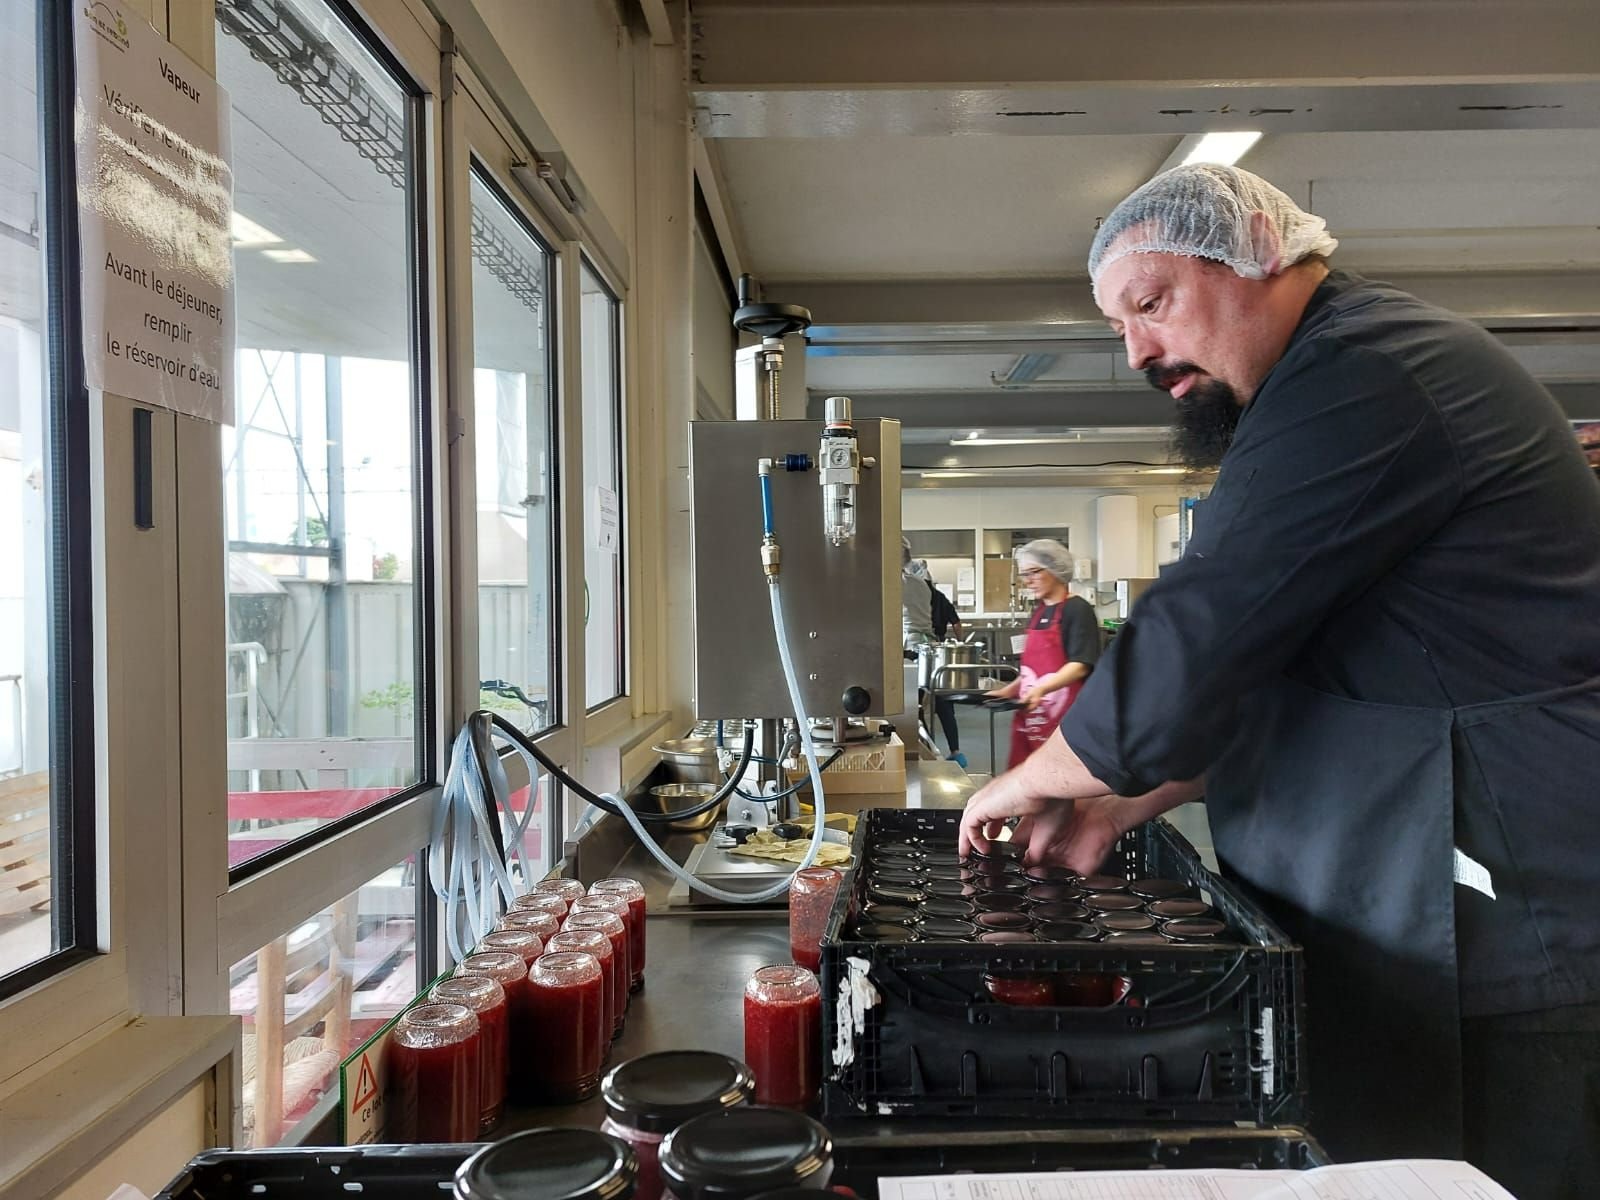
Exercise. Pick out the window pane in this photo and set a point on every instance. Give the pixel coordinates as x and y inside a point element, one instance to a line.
<point>320,484</point>
<point>28,892</point>
<point>512,330</point>
<point>312,996</point>
<point>602,477</point>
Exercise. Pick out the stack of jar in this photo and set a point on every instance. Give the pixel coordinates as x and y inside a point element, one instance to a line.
<point>921,891</point>
<point>726,1151</point>
<point>529,1015</point>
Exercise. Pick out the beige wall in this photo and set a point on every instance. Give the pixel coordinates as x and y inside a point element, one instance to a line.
<point>576,60</point>
<point>1018,508</point>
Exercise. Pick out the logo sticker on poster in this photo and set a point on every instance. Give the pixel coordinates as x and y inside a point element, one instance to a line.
<point>155,202</point>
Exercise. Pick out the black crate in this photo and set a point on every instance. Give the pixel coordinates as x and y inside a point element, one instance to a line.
<point>1217,1036</point>
<point>860,1162</point>
<point>321,1173</point>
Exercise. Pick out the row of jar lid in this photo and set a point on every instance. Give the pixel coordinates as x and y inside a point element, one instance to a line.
<point>1135,928</point>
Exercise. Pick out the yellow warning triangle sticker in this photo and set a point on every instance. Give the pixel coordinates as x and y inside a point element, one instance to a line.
<point>366,1085</point>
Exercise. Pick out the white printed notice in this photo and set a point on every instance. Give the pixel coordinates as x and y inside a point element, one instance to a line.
<point>1407,1179</point>
<point>155,198</point>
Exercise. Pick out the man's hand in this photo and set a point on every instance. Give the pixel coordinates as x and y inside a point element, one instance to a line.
<point>1035,696</point>
<point>1073,834</point>
<point>990,807</point>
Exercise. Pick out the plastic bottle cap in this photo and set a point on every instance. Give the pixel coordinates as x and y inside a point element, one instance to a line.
<point>552,1164</point>
<point>733,1154</point>
<point>658,1092</point>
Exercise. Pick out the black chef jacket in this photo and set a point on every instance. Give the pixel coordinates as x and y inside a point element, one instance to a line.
<point>1404,518</point>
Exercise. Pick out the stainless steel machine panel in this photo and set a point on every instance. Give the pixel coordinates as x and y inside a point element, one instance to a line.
<point>841,603</point>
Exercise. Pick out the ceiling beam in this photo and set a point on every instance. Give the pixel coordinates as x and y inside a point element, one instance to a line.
<point>657,21</point>
<point>1031,309</point>
<point>742,44</point>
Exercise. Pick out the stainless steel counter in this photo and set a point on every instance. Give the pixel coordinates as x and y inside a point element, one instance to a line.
<point>611,849</point>
<point>700,959</point>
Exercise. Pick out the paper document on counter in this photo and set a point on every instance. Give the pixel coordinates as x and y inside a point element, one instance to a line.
<point>1405,1179</point>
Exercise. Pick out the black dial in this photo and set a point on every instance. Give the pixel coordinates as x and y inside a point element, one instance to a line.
<point>856,700</point>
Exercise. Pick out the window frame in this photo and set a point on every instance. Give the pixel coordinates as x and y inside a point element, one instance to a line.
<point>610,714</point>
<point>425,576</point>
<point>484,141</point>
<point>69,505</point>
<point>481,169</point>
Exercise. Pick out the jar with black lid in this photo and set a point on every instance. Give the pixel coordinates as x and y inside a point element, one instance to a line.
<point>881,931</point>
<point>552,1164</point>
<point>1160,889</point>
<point>648,1097</point>
<point>887,893</point>
<point>1069,910</point>
<point>1193,929</point>
<point>1066,931</point>
<point>935,906</point>
<point>945,929</point>
<point>1000,902</point>
<point>893,914</point>
<point>743,1152</point>
<point>1113,902</point>
<point>1050,875</point>
<point>1103,883</point>
<point>1003,920</point>
<point>1180,906</point>
<point>1125,922</point>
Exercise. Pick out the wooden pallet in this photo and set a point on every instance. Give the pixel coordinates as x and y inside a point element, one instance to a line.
<point>25,844</point>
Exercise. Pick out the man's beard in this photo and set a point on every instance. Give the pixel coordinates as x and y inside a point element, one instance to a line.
<point>1207,414</point>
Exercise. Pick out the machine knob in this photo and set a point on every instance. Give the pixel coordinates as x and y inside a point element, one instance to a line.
<point>856,700</point>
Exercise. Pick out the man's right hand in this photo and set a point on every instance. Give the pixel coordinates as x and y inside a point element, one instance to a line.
<point>1076,834</point>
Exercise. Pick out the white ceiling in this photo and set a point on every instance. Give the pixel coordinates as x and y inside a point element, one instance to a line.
<point>988,206</point>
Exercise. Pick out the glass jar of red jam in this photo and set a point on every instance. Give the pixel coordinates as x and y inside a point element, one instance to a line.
<point>542,902</point>
<point>647,1098</point>
<point>566,1003</point>
<point>568,889</point>
<point>534,920</point>
<point>593,942</point>
<point>487,999</point>
<point>511,973</point>
<point>633,892</point>
<point>743,1152</point>
<point>523,942</point>
<point>783,1035</point>
<point>811,894</point>
<point>619,907</point>
<point>550,1164</point>
<point>1030,991</point>
<point>432,1064</point>
<point>610,924</point>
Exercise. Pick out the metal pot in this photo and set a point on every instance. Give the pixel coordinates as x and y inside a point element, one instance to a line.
<point>669,797</point>
<point>959,666</point>
<point>689,760</point>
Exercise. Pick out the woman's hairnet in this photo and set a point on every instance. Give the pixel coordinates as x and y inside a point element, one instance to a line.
<point>1204,211</point>
<point>905,551</point>
<point>1049,554</point>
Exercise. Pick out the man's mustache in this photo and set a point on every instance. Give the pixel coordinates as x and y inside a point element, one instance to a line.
<point>1164,377</point>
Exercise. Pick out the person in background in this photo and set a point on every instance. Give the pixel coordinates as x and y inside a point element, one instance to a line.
<point>946,617</point>
<point>918,604</point>
<point>1378,660</point>
<point>1062,647</point>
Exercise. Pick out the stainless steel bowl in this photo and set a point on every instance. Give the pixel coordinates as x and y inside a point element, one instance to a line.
<point>689,760</point>
<point>668,797</point>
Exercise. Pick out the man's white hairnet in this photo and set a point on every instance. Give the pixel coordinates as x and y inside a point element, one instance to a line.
<point>1204,211</point>
<point>1049,554</point>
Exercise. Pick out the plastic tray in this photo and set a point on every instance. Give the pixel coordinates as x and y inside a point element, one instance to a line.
<point>1217,1035</point>
<point>861,1162</point>
<point>321,1173</point>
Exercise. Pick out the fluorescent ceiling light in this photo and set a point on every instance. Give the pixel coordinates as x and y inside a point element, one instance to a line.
<point>1222,148</point>
<point>247,233</point>
<point>1074,437</point>
<point>289,256</point>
